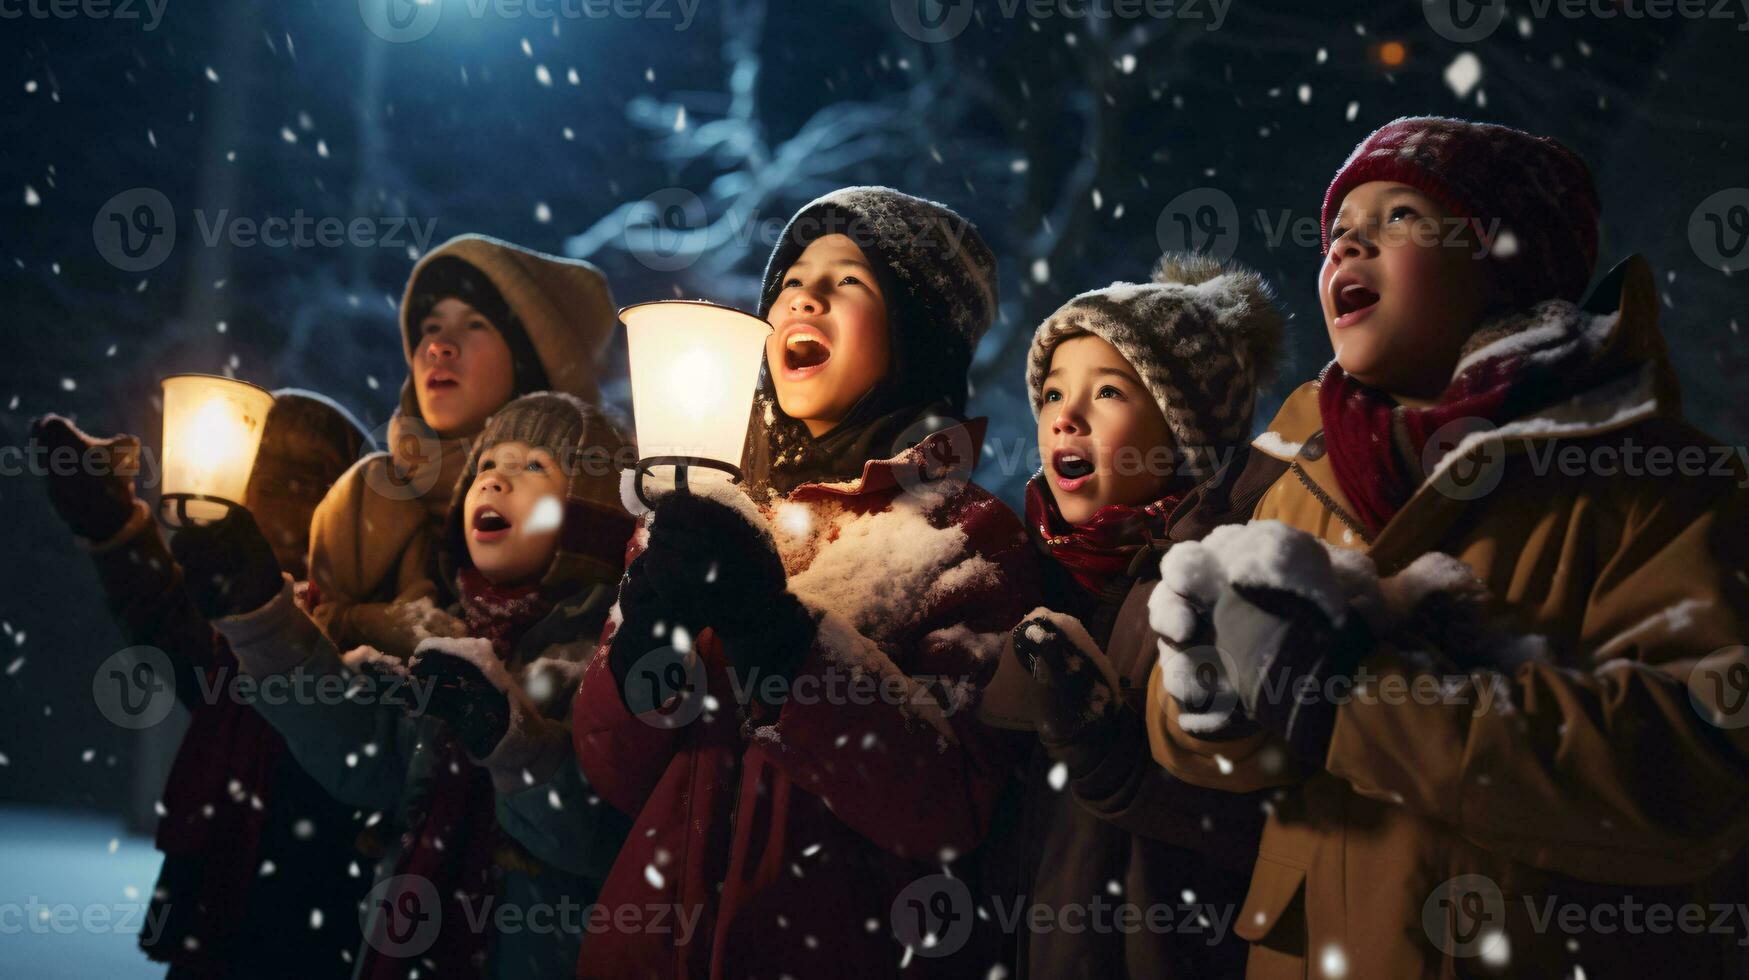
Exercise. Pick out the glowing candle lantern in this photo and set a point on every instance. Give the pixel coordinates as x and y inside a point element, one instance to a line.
<point>694,368</point>
<point>212,430</point>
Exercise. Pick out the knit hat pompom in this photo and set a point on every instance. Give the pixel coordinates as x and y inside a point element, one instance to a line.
<point>1202,334</point>
<point>1249,316</point>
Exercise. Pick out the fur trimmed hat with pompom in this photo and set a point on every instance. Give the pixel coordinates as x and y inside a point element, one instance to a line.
<point>1202,335</point>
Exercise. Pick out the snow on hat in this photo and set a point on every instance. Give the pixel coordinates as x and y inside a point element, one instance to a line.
<point>587,444</point>
<point>1540,193</point>
<point>1202,335</point>
<point>935,259</point>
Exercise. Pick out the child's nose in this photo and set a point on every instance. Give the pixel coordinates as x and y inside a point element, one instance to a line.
<point>1352,244</point>
<point>806,302</point>
<point>439,347</point>
<point>1069,422</point>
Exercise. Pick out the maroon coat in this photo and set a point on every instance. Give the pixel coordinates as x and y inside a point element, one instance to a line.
<point>789,839</point>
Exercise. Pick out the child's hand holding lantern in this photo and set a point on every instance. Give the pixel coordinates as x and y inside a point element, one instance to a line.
<point>90,481</point>
<point>228,564</point>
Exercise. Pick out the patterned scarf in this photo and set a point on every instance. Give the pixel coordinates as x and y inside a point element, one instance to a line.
<point>1101,548</point>
<point>1516,365</point>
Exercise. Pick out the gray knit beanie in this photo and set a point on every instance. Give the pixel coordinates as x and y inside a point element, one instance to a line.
<point>1202,335</point>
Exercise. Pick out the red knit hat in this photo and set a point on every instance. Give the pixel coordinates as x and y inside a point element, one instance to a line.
<point>1539,192</point>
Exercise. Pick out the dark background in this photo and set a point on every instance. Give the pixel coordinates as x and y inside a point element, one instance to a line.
<point>1037,129</point>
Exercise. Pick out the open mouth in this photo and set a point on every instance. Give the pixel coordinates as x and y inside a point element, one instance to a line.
<point>489,525</point>
<point>1073,469</point>
<point>442,381</point>
<point>1353,299</point>
<point>804,351</point>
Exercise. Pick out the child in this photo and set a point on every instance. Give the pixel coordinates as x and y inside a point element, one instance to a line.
<point>499,825</point>
<point>235,802</point>
<point>808,814</point>
<point>482,321</point>
<point>1581,764</point>
<point>1143,397</point>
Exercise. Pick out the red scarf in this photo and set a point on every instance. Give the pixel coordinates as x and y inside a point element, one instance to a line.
<point>1102,547</point>
<point>452,842</point>
<point>1379,449</point>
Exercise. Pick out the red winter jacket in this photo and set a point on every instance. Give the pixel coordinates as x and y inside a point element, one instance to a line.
<point>781,846</point>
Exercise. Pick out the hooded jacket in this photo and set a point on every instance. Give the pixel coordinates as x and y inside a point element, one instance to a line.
<point>373,548</point>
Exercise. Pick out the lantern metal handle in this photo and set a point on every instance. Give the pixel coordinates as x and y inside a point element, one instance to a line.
<point>680,464</point>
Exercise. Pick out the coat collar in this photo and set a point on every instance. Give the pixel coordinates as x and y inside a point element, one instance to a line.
<point>1631,336</point>
<point>947,456</point>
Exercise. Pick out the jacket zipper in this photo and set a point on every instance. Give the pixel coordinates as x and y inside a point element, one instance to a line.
<point>1328,502</point>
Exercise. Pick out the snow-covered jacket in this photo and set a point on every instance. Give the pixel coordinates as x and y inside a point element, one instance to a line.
<point>369,753</point>
<point>1520,818</point>
<point>807,842</point>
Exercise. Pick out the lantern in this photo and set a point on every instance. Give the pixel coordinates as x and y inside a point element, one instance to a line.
<point>212,430</point>
<point>694,367</point>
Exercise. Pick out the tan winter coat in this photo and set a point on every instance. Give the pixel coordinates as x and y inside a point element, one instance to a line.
<point>373,548</point>
<point>1545,777</point>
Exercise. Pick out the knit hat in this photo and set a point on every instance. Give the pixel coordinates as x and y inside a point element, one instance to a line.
<point>1203,337</point>
<point>589,446</point>
<point>938,280</point>
<point>1538,191</point>
<point>307,442</point>
<point>563,306</point>
<point>936,274</point>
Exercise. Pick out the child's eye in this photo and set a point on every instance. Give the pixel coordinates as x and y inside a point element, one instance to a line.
<point>430,327</point>
<point>1110,391</point>
<point>791,283</point>
<point>535,466</point>
<point>477,324</point>
<point>486,464</point>
<point>851,280</point>
<point>1402,211</point>
<point>1052,395</point>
